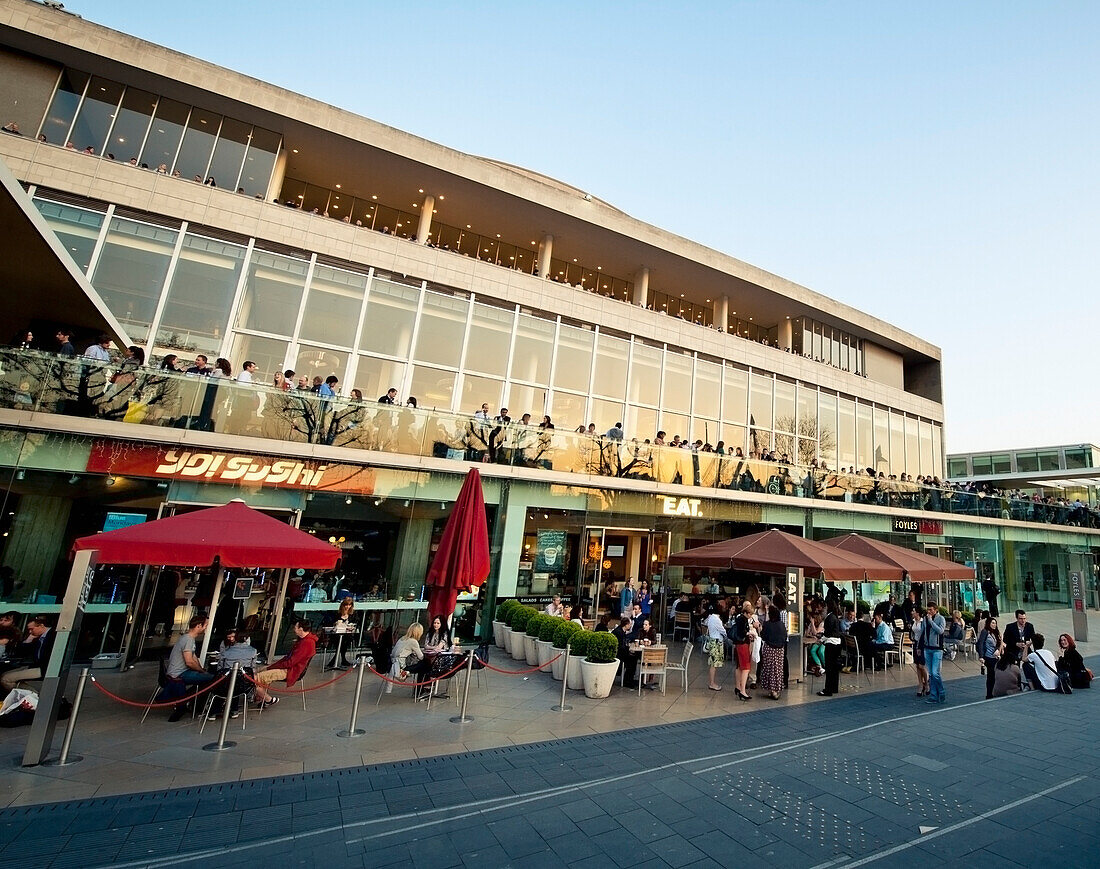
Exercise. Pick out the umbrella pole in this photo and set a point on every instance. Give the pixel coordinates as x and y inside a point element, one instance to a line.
<point>213,612</point>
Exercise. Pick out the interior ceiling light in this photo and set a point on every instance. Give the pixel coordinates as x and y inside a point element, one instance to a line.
<point>295,150</point>
<point>338,186</point>
<point>421,189</point>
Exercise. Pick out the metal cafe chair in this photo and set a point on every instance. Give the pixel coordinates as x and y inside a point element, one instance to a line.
<point>682,667</point>
<point>855,659</point>
<point>653,663</point>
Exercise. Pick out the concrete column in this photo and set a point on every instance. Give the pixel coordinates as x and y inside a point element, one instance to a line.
<point>425,227</point>
<point>546,251</point>
<point>275,185</point>
<point>641,286</point>
<point>786,335</point>
<point>721,315</point>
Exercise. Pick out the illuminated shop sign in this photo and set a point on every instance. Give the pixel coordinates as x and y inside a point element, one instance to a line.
<point>681,506</point>
<point>917,526</point>
<point>143,460</point>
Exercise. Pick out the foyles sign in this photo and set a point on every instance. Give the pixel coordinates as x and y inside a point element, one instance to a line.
<point>917,526</point>
<point>141,460</point>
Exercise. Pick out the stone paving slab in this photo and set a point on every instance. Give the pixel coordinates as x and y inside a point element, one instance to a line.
<point>877,778</point>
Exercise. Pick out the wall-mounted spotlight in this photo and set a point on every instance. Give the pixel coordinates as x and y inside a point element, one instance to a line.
<point>347,500</point>
<point>20,474</point>
<point>110,481</point>
<point>74,479</point>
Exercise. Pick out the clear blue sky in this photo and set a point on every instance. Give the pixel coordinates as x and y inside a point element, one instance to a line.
<point>933,164</point>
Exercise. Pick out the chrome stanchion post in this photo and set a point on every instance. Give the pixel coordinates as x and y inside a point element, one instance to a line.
<point>70,728</point>
<point>462,717</point>
<point>361,663</point>
<point>563,706</point>
<point>221,744</point>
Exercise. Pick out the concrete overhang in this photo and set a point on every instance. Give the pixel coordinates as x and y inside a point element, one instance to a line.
<point>40,281</point>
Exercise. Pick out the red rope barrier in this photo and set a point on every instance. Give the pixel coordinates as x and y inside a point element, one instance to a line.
<point>489,666</point>
<point>272,688</point>
<point>184,699</point>
<point>446,675</point>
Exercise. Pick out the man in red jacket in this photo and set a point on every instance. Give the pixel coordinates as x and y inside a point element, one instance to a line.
<point>290,667</point>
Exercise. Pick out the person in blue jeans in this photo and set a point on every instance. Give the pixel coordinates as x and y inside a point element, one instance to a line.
<point>932,639</point>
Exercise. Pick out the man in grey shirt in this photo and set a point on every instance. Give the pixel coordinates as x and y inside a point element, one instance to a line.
<point>184,665</point>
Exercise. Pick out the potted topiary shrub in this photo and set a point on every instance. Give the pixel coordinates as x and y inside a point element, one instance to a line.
<point>500,621</point>
<point>531,638</point>
<point>578,648</point>
<point>564,631</point>
<point>600,665</point>
<point>548,625</point>
<point>518,619</point>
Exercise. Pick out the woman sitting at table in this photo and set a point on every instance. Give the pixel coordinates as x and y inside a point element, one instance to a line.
<point>438,639</point>
<point>344,624</point>
<point>647,635</point>
<point>576,615</point>
<point>407,658</point>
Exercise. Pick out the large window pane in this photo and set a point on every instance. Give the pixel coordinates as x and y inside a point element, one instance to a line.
<point>847,435</point>
<point>321,362</point>
<point>926,466</point>
<point>391,312</point>
<point>677,391</point>
<point>76,228</point>
<point>674,424</point>
<point>196,312</point>
<point>937,451</point>
<point>897,444</point>
<point>605,414</point>
<point>267,353</point>
<point>490,336</point>
<point>827,431</point>
<point>735,398</point>
<point>130,273</point>
<point>760,401</point>
<point>273,293</point>
<point>442,325</point>
<point>912,447</point>
<point>733,437</point>
<point>708,389</point>
<point>374,377</point>
<point>640,423</point>
<point>865,440</point>
<point>534,350</point>
<point>881,457</point>
<point>164,135</point>
<point>259,162</point>
<point>573,365</point>
<point>332,308</point>
<point>432,387</point>
<point>705,430</point>
<point>198,144</point>
<point>225,168</point>
<point>527,399</point>
<point>131,124</point>
<point>784,406</point>
<point>645,375</point>
<point>96,114</point>
<point>59,117</point>
<point>611,358</point>
<point>477,391</point>
<point>568,411</point>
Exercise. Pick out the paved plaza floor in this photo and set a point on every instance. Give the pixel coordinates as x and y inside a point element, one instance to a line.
<point>873,775</point>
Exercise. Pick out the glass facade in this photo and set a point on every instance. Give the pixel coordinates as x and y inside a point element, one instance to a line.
<point>454,351</point>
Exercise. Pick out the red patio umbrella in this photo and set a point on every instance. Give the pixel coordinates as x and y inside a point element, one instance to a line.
<point>462,560</point>
<point>773,551</point>
<point>920,566</point>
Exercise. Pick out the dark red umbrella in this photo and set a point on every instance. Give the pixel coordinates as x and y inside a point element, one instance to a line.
<point>920,566</point>
<point>462,560</point>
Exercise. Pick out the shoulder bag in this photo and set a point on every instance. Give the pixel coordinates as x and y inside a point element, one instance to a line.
<point>1063,677</point>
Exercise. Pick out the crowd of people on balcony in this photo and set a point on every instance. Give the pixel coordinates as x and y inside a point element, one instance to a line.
<point>501,438</point>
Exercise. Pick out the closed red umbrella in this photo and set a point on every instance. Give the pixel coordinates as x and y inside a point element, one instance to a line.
<point>462,560</point>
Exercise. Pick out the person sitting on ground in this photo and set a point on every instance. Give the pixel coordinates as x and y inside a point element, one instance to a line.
<point>1040,667</point>
<point>883,641</point>
<point>956,633</point>
<point>289,668</point>
<point>1071,662</point>
<point>1007,679</point>
<point>236,648</point>
<point>554,608</point>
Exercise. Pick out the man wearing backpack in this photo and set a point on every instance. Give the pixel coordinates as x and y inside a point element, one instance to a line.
<point>932,641</point>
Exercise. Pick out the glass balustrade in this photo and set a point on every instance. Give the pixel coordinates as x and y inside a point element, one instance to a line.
<point>45,383</point>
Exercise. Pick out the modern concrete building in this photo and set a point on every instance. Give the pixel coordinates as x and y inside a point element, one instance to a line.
<point>1069,471</point>
<point>195,210</point>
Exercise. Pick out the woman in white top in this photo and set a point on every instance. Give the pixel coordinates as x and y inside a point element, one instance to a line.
<point>715,647</point>
<point>407,656</point>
